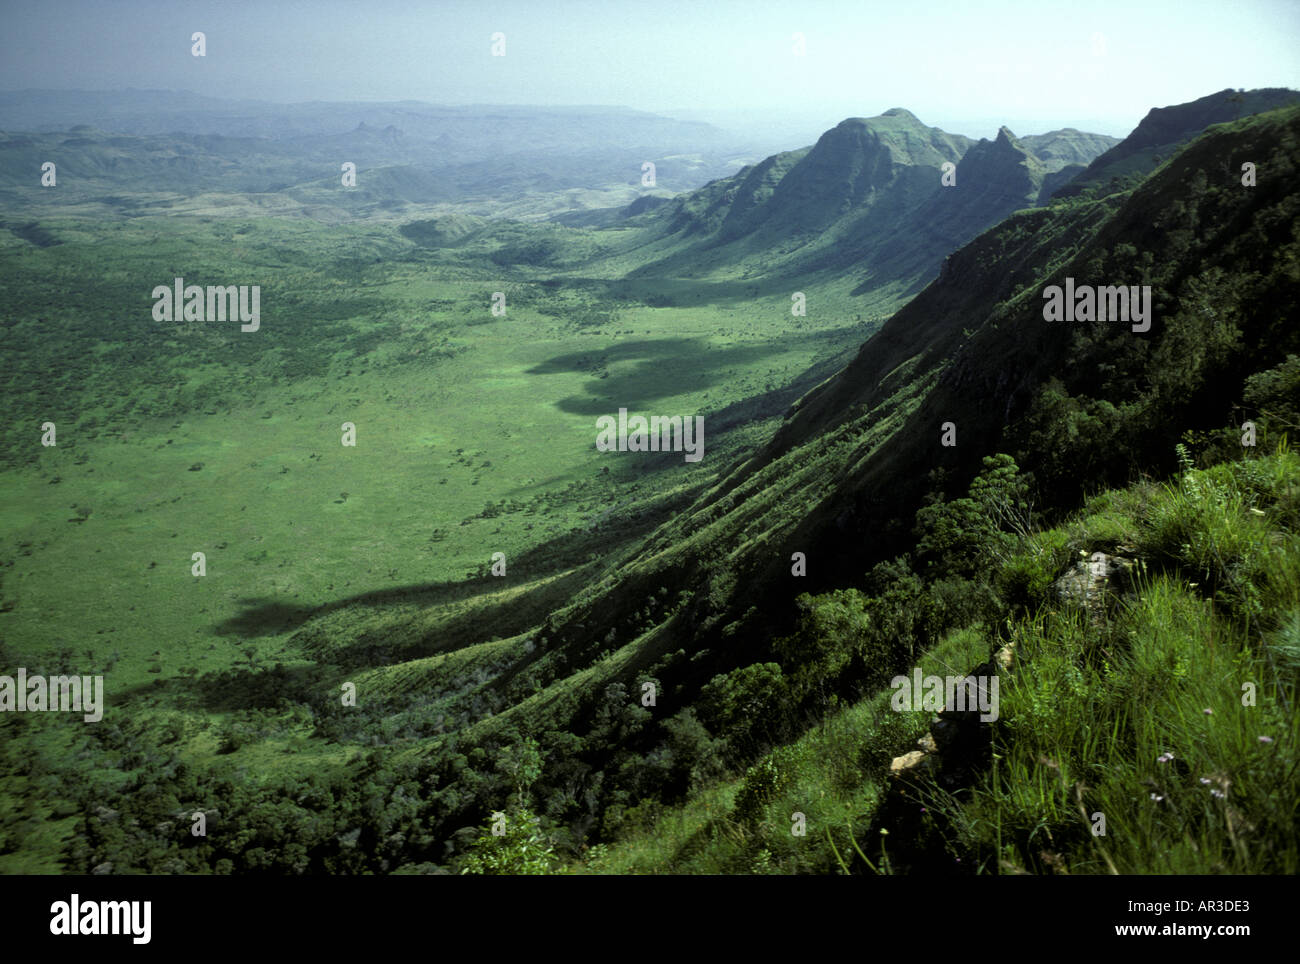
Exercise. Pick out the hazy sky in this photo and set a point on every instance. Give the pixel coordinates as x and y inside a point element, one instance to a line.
<point>966,66</point>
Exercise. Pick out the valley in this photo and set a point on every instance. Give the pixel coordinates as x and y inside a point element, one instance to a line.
<point>439,582</point>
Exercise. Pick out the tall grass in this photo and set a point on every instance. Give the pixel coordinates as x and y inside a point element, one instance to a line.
<point>1153,735</point>
<point>1174,721</point>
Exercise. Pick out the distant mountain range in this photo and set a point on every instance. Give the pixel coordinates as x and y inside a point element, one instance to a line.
<point>107,145</point>
<point>869,199</point>
<point>463,133</point>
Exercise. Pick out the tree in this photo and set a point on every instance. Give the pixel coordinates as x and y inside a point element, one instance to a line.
<point>963,536</point>
<point>1003,493</point>
<point>521,763</point>
<point>522,849</point>
<point>747,706</point>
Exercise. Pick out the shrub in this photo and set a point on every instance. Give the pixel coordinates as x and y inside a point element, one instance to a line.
<point>746,704</point>
<point>522,849</point>
<point>764,783</point>
<point>967,536</point>
<point>1026,581</point>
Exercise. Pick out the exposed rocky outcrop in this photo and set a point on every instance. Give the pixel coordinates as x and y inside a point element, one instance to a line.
<point>1094,582</point>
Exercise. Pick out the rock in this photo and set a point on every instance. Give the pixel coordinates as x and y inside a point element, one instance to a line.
<point>1104,571</point>
<point>962,739</point>
<point>1092,577</point>
<point>906,763</point>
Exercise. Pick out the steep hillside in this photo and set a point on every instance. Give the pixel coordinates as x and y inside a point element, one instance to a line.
<point>1080,406</point>
<point>1123,640</point>
<point>1164,130</point>
<point>1112,401</point>
<point>844,478</point>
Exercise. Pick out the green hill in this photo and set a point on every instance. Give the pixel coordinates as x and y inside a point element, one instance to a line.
<point>1067,146</point>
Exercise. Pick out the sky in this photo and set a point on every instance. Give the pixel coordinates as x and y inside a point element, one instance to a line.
<point>966,66</point>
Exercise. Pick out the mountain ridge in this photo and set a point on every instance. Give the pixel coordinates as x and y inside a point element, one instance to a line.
<point>869,191</point>
<point>1165,128</point>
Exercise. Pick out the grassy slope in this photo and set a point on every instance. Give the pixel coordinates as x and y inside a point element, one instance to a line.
<point>979,374</point>
<point>829,484</point>
<point>1087,713</point>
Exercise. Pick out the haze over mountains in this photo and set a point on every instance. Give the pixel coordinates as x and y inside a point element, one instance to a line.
<point>413,153</point>
<point>868,192</point>
<point>130,141</point>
